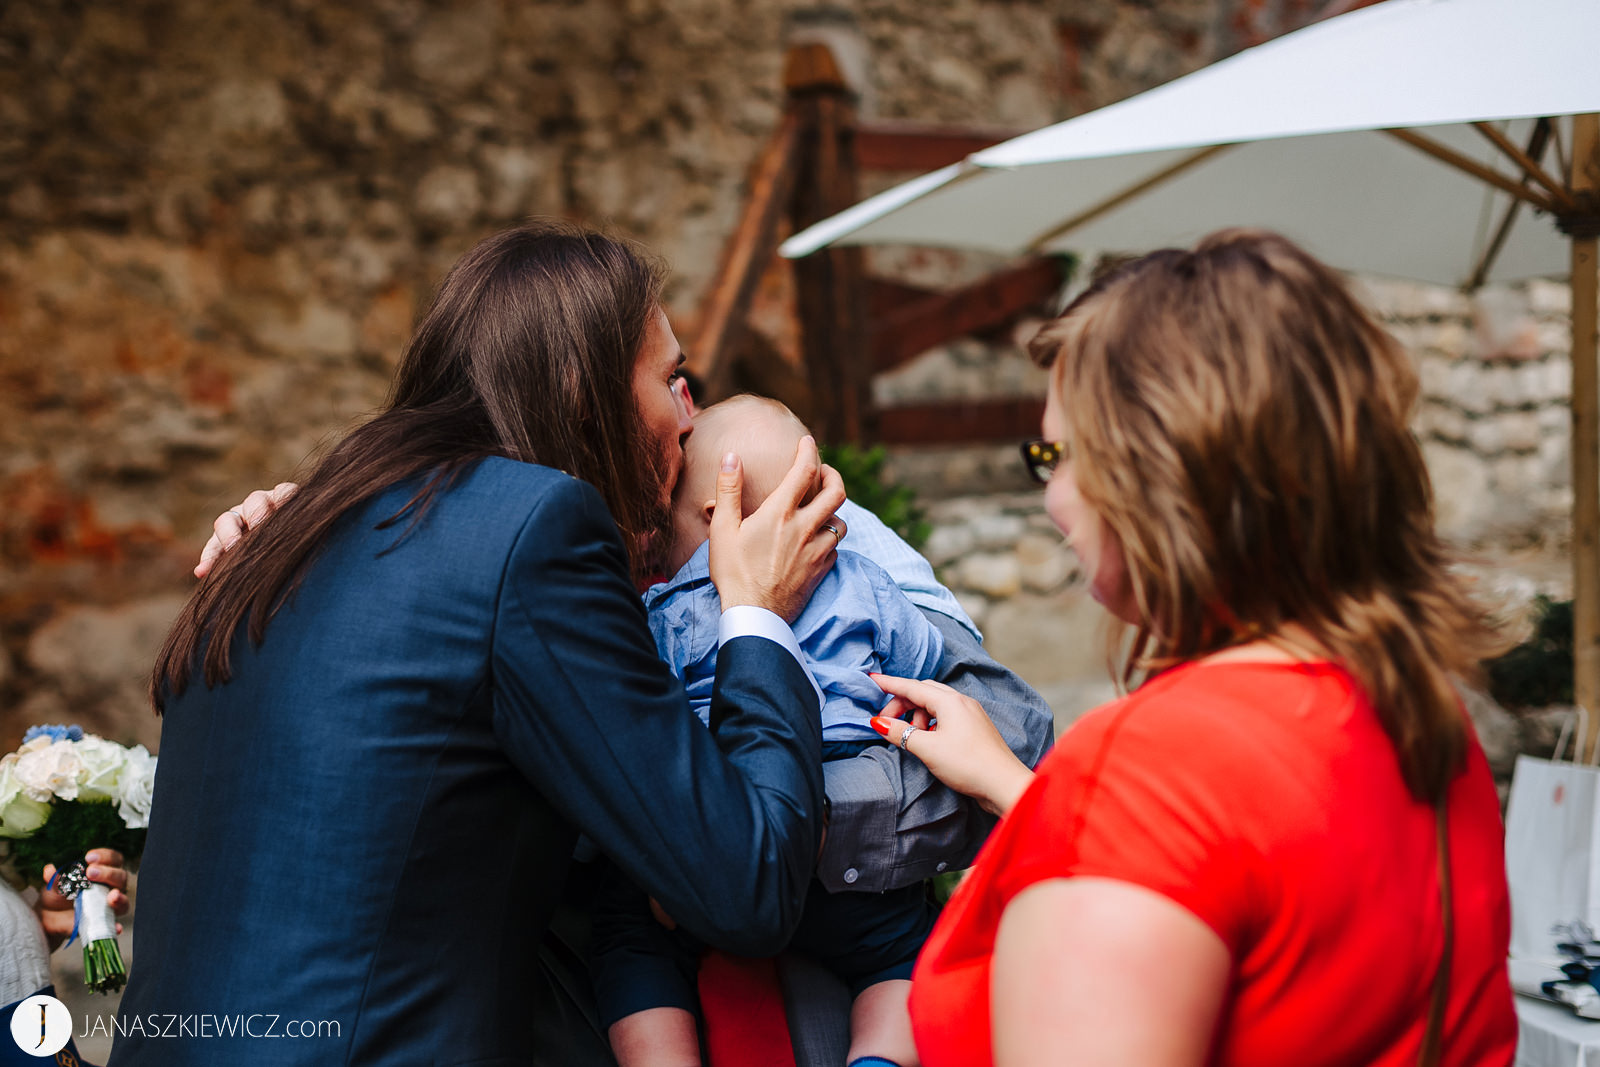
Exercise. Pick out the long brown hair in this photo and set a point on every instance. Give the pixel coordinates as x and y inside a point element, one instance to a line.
<point>1240,423</point>
<point>527,352</point>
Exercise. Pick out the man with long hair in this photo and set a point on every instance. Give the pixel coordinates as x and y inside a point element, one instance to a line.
<point>391,710</point>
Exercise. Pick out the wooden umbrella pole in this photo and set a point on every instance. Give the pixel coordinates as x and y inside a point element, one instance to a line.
<point>1586,423</point>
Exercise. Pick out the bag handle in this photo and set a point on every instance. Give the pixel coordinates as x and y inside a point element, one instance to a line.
<point>1580,716</point>
<point>1433,1038</point>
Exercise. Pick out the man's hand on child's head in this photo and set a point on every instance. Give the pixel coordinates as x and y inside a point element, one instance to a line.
<point>775,557</point>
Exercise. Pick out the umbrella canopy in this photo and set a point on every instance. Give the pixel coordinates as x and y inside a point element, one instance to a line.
<point>1287,136</point>
<point>1399,139</point>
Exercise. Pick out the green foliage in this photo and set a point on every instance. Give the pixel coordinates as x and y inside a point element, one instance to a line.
<point>862,471</point>
<point>74,827</point>
<point>945,884</point>
<point>1537,672</point>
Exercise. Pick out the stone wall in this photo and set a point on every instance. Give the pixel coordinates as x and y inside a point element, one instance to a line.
<point>1494,416</point>
<point>218,220</point>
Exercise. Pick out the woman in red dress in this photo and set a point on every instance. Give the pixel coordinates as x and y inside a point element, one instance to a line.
<point>1284,846</point>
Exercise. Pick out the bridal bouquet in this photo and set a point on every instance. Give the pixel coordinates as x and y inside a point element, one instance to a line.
<point>63,793</point>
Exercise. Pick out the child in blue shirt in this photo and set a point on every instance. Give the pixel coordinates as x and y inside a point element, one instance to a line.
<point>857,621</point>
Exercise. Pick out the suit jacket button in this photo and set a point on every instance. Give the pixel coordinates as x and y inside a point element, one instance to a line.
<point>851,875</point>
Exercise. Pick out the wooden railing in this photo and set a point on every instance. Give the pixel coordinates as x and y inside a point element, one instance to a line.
<point>852,326</point>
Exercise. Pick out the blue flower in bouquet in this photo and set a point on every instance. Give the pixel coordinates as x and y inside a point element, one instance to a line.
<point>55,732</point>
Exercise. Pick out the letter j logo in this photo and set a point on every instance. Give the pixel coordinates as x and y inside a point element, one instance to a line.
<point>41,1025</point>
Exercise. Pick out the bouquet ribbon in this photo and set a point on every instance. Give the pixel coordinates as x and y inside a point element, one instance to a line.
<point>104,971</point>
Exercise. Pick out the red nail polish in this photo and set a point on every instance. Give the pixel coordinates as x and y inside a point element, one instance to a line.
<point>880,725</point>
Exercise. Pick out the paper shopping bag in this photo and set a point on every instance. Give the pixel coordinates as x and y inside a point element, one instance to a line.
<point>1552,851</point>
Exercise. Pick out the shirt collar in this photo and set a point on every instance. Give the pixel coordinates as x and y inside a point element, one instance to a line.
<point>695,572</point>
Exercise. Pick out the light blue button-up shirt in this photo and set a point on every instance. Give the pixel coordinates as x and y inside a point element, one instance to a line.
<point>912,572</point>
<point>857,621</point>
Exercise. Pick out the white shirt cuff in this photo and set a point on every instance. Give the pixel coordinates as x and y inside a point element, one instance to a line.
<point>747,620</point>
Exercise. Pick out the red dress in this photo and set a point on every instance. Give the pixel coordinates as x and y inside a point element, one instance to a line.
<point>1265,799</point>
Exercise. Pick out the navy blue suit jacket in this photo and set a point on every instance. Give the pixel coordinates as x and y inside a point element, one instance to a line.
<point>367,828</point>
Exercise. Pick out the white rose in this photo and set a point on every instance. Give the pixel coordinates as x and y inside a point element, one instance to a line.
<point>138,787</point>
<point>102,764</point>
<point>51,771</point>
<point>19,814</point>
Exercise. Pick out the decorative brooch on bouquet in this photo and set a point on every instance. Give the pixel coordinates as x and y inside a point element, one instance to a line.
<point>63,793</point>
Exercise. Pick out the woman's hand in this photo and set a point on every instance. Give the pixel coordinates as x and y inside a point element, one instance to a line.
<point>56,911</point>
<point>231,524</point>
<point>952,734</point>
<point>776,557</point>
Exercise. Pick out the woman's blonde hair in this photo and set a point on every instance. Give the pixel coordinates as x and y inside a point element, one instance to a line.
<point>1240,423</point>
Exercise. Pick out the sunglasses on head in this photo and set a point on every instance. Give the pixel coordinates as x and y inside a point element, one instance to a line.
<point>1041,456</point>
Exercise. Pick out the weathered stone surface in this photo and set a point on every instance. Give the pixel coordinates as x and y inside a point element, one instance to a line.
<point>1053,639</point>
<point>1434,372</point>
<point>1555,421</point>
<point>1487,437</point>
<point>1460,483</point>
<point>1555,335</point>
<point>1498,731</point>
<point>314,328</point>
<point>317,209</point>
<point>1520,431</point>
<point>997,529</point>
<point>247,110</point>
<point>454,49</point>
<point>448,196</point>
<point>946,543</point>
<point>91,651</point>
<point>386,327</point>
<point>409,116</point>
<point>93,666</point>
<point>994,574</point>
<point>943,472</point>
<point>360,263</point>
<point>522,180</point>
<point>1466,386</point>
<point>1045,562</point>
<point>1549,298</point>
<point>1554,381</point>
<point>1444,423</point>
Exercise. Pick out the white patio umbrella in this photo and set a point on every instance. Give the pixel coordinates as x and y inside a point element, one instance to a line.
<point>1399,139</point>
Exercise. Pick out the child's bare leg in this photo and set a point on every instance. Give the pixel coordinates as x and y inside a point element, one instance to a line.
<point>880,1023</point>
<point>657,1037</point>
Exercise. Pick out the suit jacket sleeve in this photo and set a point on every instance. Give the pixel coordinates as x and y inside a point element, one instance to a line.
<point>721,826</point>
<point>893,823</point>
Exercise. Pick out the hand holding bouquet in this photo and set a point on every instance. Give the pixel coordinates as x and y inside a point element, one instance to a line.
<point>61,794</point>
